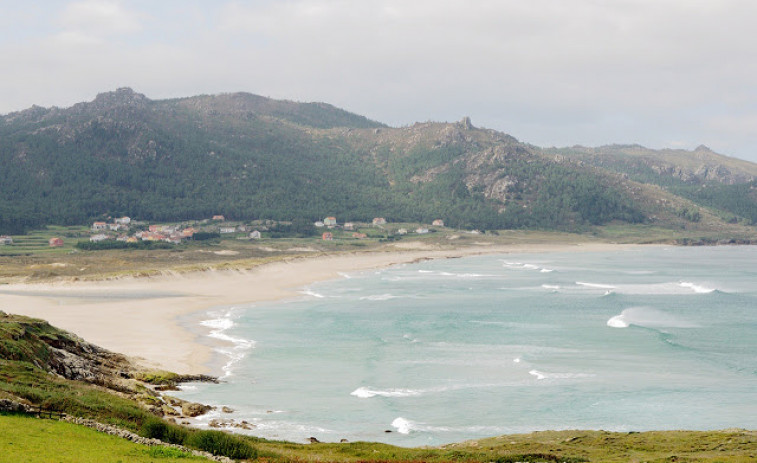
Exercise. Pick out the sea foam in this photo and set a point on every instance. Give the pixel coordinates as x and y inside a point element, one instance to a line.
<point>647,317</point>
<point>367,393</point>
<point>223,321</point>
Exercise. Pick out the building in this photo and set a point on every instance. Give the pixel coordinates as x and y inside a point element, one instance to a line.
<point>438,223</point>
<point>98,237</point>
<point>255,235</point>
<point>55,242</point>
<point>123,220</point>
<point>379,221</point>
<point>349,226</point>
<point>219,217</point>
<point>319,224</point>
<point>421,230</point>
<point>327,236</point>
<point>329,221</point>
<point>5,240</point>
<point>360,236</point>
<point>402,231</point>
<point>228,229</point>
<point>97,226</point>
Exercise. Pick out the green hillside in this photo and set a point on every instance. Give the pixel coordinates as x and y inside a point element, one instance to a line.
<point>249,157</point>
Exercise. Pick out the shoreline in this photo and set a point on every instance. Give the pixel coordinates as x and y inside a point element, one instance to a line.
<point>147,318</point>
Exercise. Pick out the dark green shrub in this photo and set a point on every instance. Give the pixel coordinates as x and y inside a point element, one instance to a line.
<point>220,443</point>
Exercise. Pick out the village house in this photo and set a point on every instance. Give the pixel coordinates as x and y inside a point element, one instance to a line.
<point>122,238</point>
<point>327,236</point>
<point>402,231</point>
<point>114,226</point>
<point>349,226</point>
<point>319,224</point>
<point>379,221</point>
<point>188,232</point>
<point>55,242</point>
<point>123,220</point>
<point>6,240</point>
<point>132,239</point>
<point>228,230</point>
<point>329,221</point>
<point>154,228</point>
<point>255,235</point>
<point>219,217</point>
<point>98,226</point>
<point>98,237</point>
<point>421,230</point>
<point>438,223</point>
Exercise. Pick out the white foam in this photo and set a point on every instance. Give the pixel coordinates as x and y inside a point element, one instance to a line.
<point>516,360</point>
<point>696,288</point>
<point>346,276</point>
<point>402,425</point>
<point>379,297</point>
<point>223,321</point>
<point>367,393</point>
<point>310,292</point>
<point>539,375</point>
<point>547,270</point>
<point>647,317</point>
<point>617,321</point>
<point>595,285</point>
<point>553,287</point>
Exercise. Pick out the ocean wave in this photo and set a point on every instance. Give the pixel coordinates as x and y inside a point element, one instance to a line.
<point>647,317</point>
<point>379,297</point>
<point>367,393</point>
<point>403,426</point>
<point>696,288</point>
<point>223,321</point>
<point>595,285</point>
<point>310,292</point>
<point>522,266</point>
<point>456,275</point>
<point>540,375</point>
<point>552,287</point>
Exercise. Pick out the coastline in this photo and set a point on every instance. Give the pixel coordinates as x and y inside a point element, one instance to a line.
<point>145,318</point>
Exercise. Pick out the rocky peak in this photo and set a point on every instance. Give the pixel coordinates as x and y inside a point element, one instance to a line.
<point>124,96</point>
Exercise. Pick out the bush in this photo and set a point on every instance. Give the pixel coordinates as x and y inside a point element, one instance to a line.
<point>220,443</point>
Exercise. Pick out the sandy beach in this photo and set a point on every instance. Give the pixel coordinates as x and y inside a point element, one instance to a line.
<point>139,317</point>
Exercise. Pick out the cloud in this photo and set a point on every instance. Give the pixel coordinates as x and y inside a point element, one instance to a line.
<point>100,18</point>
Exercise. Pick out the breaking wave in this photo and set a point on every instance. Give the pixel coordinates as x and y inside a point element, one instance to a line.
<point>223,321</point>
<point>647,317</point>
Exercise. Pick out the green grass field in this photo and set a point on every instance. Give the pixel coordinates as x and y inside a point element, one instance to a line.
<point>32,440</point>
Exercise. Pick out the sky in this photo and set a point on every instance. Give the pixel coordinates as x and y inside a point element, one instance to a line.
<point>661,73</point>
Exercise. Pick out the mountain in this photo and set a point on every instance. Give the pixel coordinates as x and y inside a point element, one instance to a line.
<point>250,157</point>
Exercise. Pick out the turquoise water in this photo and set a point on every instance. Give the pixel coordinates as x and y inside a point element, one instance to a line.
<point>447,350</point>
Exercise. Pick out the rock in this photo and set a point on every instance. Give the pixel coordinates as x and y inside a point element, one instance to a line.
<point>192,410</point>
<point>227,410</point>
<point>344,441</point>
<point>313,440</point>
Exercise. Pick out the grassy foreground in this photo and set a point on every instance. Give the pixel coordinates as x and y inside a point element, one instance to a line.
<point>32,440</point>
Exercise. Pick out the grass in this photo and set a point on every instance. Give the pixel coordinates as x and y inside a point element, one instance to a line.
<point>32,440</point>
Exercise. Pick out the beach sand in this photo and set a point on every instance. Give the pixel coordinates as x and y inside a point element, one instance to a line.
<point>139,317</point>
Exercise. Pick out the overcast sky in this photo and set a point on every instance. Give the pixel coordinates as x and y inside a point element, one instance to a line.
<point>662,73</point>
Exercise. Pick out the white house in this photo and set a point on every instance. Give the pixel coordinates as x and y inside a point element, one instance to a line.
<point>379,221</point>
<point>98,237</point>
<point>97,226</point>
<point>438,223</point>
<point>255,235</point>
<point>319,224</point>
<point>349,226</point>
<point>329,221</point>
<point>421,230</point>
<point>5,240</point>
<point>228,229</point>
<point>123,220</point>
<point>402,231</point>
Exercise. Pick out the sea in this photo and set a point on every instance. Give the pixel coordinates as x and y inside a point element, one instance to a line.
<point>440,351</point>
